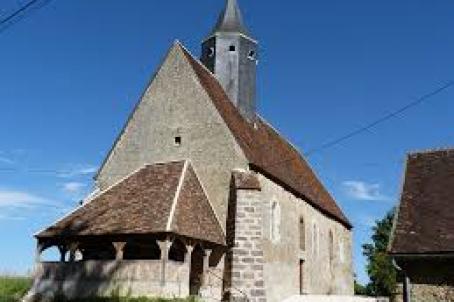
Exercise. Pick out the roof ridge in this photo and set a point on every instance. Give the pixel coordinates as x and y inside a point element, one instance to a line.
<point>392,236</point>
<point>177,195</point>
<point>431,151</point>
<point>246,135</point>
<point>188,52</point>
<point>208,199</point>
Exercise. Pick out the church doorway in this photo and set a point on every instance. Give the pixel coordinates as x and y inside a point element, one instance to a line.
<point>196,274</point>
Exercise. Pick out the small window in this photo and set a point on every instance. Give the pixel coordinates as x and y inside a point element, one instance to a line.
<point>275,222</point>
<point>252,55</point>
<point>232,48</point>
<point>302,230</point>
<point>315,239</point>
<point>177,140</point>
<point>331,249</point>
<point>210,52</point>
<point>341,251</point>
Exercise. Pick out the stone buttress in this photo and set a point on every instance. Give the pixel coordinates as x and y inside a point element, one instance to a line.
<point>245,262</point>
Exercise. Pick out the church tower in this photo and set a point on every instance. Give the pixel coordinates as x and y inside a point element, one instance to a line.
<point>231,54</point>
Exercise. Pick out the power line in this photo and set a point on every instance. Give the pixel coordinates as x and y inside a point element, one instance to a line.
<point>369,126</point>
<point>21,11</point>
<point>382,119</point>
<point>323,147</point>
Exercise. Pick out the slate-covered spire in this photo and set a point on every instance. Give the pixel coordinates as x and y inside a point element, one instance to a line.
<point>231,20</point>
<point>231,54</point>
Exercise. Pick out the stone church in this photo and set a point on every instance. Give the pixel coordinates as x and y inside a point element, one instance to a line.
<point>200,195</point>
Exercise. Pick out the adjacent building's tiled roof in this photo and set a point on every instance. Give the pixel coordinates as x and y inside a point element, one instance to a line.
<point>425,221</point>
<point>160,198</point>
<point>267,151</point>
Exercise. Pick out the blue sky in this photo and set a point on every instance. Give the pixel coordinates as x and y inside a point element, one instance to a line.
<point>71,73</point>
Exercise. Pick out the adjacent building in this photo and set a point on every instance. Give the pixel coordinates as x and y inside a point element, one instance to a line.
<point>202,196</point>
<point>422,243</point>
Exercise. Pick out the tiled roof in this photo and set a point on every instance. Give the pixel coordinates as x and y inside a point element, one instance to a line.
<point>267,151</point>
<point>246,181</point>
<point>425,222</point>
<point>160,198</point>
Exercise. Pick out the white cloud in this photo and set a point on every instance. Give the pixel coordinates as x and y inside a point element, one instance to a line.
<point>361,190</point>
<point>18,199</point>
<point>15,218</point>
<point>73,187</point>
<point>78,170</point>
<point>6,160</point>
<point>367,221</point>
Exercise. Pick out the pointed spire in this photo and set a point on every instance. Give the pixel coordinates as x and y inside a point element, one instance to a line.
<point>231,20</point>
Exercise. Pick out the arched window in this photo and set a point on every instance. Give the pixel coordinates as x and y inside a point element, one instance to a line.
<point>51,254</point>
<point>341,251</point>
<point>315,239</point>
<point>177,251</point>
<point>331,249</point>
<point>275,221</point>
<point>302,231</point>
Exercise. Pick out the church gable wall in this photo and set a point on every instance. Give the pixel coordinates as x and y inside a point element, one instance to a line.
<point>176,120</point>
<point>326,270</point>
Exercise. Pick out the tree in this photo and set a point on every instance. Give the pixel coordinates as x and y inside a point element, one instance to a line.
<point>380,269</point>
<point>360,290</point>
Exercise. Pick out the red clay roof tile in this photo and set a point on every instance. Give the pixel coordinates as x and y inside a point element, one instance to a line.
<point>267,151</point>
<point>142,204</point>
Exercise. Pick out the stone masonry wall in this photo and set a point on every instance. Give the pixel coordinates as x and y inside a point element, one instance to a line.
<point>176,105</point>
<point>104,278</point>
<point>282,255</point>
<point>426,293</point>
<point>245,258</point>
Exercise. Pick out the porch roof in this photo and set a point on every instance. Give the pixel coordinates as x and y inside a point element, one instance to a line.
<point>156,199</point>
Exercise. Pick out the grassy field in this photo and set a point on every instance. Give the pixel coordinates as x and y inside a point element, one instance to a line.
<point>13,288</point>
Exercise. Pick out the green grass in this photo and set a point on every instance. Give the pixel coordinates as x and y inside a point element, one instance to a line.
<point>13,288</point>
<point>126,299</point>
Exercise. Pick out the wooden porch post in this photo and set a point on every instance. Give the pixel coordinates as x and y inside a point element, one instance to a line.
<point>40,247</point>
<point>72,251</point>
<point>164,246</point>
<point>63,249</point>
<point>119,250</point>
<point>206,266</point>
<point>187,257</point>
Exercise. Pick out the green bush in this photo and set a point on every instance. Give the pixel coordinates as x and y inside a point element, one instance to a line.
<point>13,288</point>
